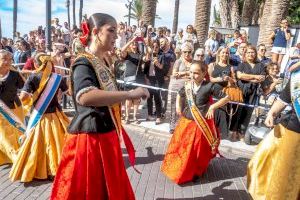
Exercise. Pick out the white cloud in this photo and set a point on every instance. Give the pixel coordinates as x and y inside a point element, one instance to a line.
<point>32,13</point>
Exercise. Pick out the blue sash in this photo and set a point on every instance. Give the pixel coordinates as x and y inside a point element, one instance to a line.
<point>44,101</point>
<point>295,91</point>
<point>11,117</point>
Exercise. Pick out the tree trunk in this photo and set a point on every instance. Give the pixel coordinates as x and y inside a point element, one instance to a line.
<point>0,30</point>
<point>202,17</point>
<point>149,11</point>
<point>234,14</point>
<point>80,11</point>
<point>175,19</point>
<point>225,14</point>
<point>274,12</point>
<point>256,13</point>
<point>248,11</point>
<point>15,17</point>
<point>74,14</point>
<point>68,10</point>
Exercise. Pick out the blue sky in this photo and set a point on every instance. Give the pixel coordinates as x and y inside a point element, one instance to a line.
<point>31,13</point>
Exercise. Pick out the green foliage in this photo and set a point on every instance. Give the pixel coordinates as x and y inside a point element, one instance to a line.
<point>294,12</point>
<point>137,10</point>
<point>217,18</point>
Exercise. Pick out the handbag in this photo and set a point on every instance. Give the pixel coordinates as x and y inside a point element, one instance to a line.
<point>234,93</point>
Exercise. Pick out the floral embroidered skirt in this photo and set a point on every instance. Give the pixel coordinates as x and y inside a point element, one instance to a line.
<point>188,153</point>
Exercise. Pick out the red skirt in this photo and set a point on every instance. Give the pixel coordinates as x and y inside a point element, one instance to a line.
<point>92,167</point>
<point>188,153</point>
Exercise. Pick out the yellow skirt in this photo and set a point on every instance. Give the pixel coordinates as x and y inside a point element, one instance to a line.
<point>274,170</point>
<point>40,153</point>
<point>9,136</point>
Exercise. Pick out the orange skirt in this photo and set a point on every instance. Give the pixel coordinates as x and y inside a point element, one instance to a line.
<point>92,167</point>
<point>188,153</point>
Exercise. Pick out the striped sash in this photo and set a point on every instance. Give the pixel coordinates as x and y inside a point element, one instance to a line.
<point>210,135</point>
<point>10,116</point>
<point>43,101</point>
<point>295,92</point>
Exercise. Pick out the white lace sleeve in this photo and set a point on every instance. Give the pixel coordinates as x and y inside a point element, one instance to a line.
<point>84,90</point>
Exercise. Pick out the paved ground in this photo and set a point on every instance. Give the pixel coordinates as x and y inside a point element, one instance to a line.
<point>225,178</point>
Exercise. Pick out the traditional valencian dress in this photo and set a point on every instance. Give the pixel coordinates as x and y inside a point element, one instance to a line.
<point>11,116</point>
<point>92,166</point>
<point>40,154</point>
<point>274,170</point>
<point>195,139</point>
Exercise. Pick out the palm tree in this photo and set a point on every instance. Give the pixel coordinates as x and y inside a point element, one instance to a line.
<point>15,16</point>
<point>0,29</point>
<point>68,10</point>
<point>80,10</point>
<point>225,13</point>
<point>149,11</point>
<point>175,19</point>
<point>217,18</point>
<point>248,12</point>
<point>235,16</point>
<point>274,12</point>
<point>74,16</point>
<point>136,10</point>
<point>202,16</point>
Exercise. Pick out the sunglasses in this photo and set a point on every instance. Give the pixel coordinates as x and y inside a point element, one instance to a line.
<point>187,52</point>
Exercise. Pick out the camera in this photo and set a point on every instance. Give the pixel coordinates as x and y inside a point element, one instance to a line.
<point>281,75</point>
<point>225,73</point>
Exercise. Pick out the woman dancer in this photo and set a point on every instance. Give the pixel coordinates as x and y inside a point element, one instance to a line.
<point>40,153</point>
<point>92,166</point>
<point>10,109</point>
<point>195,140</point>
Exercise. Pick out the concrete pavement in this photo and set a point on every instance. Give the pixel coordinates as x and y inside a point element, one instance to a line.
<point>225,178</point>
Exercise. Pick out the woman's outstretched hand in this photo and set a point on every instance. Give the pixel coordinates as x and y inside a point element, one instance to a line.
<point>139,93</point>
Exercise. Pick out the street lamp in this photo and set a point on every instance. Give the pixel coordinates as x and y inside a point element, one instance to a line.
<point>129,10</point>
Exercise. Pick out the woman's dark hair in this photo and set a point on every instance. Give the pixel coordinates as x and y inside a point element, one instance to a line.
<point>97,20</point>
<point>201,64</point>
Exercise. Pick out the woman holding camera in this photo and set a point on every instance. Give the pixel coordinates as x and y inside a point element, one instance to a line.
<point>272,80</point>
<point>279,37</point>
<point>151,72</point>
<point>222,73</point>
<point>134,60</point>
<point>180,74</point>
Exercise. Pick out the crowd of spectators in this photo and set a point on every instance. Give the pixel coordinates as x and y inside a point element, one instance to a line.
<point>153,56</point>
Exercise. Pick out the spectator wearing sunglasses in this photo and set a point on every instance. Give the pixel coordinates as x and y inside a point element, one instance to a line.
<point>199,55</point>
<point>180,74</point>
<point>261,54</point>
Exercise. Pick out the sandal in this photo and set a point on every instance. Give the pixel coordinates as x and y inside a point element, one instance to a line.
<point>158,121</point>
